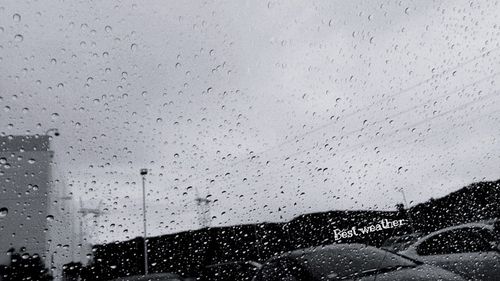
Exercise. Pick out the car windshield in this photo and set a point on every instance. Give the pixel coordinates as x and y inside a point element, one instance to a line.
<point>142,137</point>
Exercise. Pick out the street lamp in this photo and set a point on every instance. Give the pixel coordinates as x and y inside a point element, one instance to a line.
<point>144,172</point>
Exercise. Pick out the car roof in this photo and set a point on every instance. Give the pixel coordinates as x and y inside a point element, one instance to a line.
<point>399,238</point>
<point>338,246</point>
<point>147,277</point>
<point>231,263</point>
<point>465,225</point>
<point>483,224</point>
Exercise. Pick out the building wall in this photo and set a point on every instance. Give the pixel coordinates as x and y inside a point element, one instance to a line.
<point>25,176</point>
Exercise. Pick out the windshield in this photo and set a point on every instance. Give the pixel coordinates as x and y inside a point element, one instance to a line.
<point>153,137</point>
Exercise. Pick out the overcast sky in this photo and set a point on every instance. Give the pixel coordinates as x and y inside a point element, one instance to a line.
<point>271,109</point>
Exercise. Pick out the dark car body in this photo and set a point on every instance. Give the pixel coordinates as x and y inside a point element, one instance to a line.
<point>401,243</point>
<point>470,250</point>
<point>151,277</point>
<point>230,271</point>
<point>348,262</point>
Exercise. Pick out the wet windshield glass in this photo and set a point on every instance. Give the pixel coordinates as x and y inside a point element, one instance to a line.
<point>206,138</point>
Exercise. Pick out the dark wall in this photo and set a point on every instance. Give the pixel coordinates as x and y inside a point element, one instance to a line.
<point>188,252</point>
<point>478,201</point>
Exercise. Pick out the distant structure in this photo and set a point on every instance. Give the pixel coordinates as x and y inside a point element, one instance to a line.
<point>83,242</point>
<point>204,219</point>
<point>34,215</point>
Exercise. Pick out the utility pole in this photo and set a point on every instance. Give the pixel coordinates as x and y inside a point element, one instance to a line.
<point>408,212</point>
<point>144,172</point>
<point>95,212</point>
<point>203,210</point>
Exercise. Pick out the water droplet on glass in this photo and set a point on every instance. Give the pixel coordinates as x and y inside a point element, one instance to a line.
<point>18,38</point>
<point>108,28</point>
<point>16,17</point>
<point>3,212</point>
<point>133,47</point>
<point>50,217</point>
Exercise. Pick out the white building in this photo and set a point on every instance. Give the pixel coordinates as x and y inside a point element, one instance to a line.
<point>36,215</point>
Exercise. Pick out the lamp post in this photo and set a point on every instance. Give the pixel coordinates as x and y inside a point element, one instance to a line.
<point>408,212</point>
<point>144,172</point>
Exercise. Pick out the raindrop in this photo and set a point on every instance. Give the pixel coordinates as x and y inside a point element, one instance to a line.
<point>54,115</point>
<point>108,29</point>
<point>18,38</point>
<point>133,47</point>
<point>31,161</point>
<point>3,212</point>
<point>50,218</point>
<point>16,17</point>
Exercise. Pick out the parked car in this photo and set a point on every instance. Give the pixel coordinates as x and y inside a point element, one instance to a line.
<point>401,243</point>
<point>230,271</point>
<point>470,250</point>
<point>348,262</point>
<point>152,277</point>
